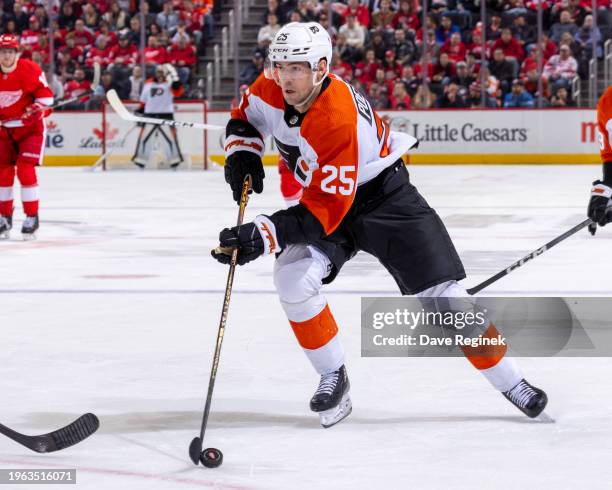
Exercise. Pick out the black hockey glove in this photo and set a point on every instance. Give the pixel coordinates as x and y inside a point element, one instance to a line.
<point>252,239</point>
<point>237,166</point>
<point>600,205</point>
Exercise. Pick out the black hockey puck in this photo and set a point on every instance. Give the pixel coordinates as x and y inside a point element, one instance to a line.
<point>211,457</point>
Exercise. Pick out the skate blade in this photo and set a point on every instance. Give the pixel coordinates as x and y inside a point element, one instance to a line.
<point>334,415</point>
<point>28,237</point>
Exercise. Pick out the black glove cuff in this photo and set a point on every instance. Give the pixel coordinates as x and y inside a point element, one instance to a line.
<point>607,174</point>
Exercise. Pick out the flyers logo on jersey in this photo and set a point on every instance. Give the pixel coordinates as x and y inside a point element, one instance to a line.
<point>7,99</point>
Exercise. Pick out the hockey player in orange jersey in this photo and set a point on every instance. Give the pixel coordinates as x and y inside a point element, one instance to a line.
<point>600,204</point>
<point>357,196</point>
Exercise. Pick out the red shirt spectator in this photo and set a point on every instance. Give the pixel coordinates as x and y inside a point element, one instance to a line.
<point>361,13</point>
<point>82,37</point>
<point>418,70</point>
<point>454,48</point>
<point>406,17</point>
<point>42,47</point>
<point>400,98</point>
<point>182,53</point>
<point>509,45</point>
<point>365,70</point>
<point>30,35</point>
<point>154,54</point>
<point>100,53</point>
<point>341,68</point>
<point>124,52</point>
<point>78,85</point>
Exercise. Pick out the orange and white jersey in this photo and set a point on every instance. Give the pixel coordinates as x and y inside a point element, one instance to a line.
<point>338,144</point>
<point>604,125</point>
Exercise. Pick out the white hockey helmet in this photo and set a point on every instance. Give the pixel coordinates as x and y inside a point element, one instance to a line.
<point>301,41</point>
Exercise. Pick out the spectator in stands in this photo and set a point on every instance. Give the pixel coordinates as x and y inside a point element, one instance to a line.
<point>30,35</point>
<point>524,33</point>
<point>82,37</point>
<point>502,70</point>
<point>134,30</point>
<point>307,10</point>
<point>549,48</point>
<point>90,16</point>
<point>400,98</point>
<point>42,48</point>
<point>250,72</point>
<point>472,66</point>
<point>494,28</point>
<point>66,65</point>
<point>282,13</point>
<point>77,86</point>
<point>565,24</point>
<point>67,17</point>
<point>475,100</point>
<point>512,48</point>
<point>424,98</point>
<point>454,48</point>
<point>136,82</point>
<point>451,98</point>
<point>100,53</point>
<point>424,68</point>
<point>124,53</point>
<point>116,17</point>
<point>443,70</point>
<point>341,68</point>
<point>530,80</point>
<point>405,49</point>
<point>588,36</point>
<point>476,47</point>
<point>491,83</point>
<point>392,68</point>
<point>111,36</point>
<point>561,68</point>
<point>378,45</point>
<point>168,19</point>
<point>154,55</point>
<point>183,56</point>
<point>360,11</point>
<point>383,18</point>
<point>325,7</point>
<point>410,81</point>
<point>77,53</point>
<point>266,33</point>
<point>324,21</point>
<point>355,35</point>
<point>365,70</point>
<point>406,18</point>
<point>378,97</point>
<point>518,97</point>
<point>446,28</point>
<point>560,98</point>
<point>462,78</point>
<point>107,83</point>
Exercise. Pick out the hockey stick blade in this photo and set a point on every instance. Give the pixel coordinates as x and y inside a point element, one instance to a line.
<point>195,449</point>
<point>59,439</point>
<point>121,110</point>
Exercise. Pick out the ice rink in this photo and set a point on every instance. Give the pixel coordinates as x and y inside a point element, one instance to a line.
<point>115,308</point>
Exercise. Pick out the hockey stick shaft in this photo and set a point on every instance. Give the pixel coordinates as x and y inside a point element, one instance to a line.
<point>59,439</point>
<point>196,445</point>
<point>115,102</point>
<point>529,257</point>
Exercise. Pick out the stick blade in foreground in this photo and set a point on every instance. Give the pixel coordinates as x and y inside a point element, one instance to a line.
<point>195,449</point>
<point>73,433</point>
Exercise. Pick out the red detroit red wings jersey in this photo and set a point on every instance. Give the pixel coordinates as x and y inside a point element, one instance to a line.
<point>339,143</point>
<point>25,85</point>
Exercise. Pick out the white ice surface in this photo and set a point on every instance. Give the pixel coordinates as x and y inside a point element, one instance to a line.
<point>114,309</point>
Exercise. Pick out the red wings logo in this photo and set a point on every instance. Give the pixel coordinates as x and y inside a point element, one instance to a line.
<point>7,99</point>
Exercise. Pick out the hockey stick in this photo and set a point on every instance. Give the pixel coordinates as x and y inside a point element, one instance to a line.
<point>530,256</point>
<point>195,448</point>
<point>108,153</point>
<point>121,110</point>
<point>59,439</point>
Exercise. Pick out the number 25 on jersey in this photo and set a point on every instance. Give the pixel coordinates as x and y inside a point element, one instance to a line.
<point>337,180</point>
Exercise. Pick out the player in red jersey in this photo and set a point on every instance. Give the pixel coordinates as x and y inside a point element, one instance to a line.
<point>600,204</point>
<point>24,98</point>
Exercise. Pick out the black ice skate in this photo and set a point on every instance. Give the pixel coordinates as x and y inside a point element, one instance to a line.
<point>29,227</point>
<point>528,399</point>
<point>6,223</point>
<point>331,400</point>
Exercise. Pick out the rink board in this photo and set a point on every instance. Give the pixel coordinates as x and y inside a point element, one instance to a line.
<point>446,137</point>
